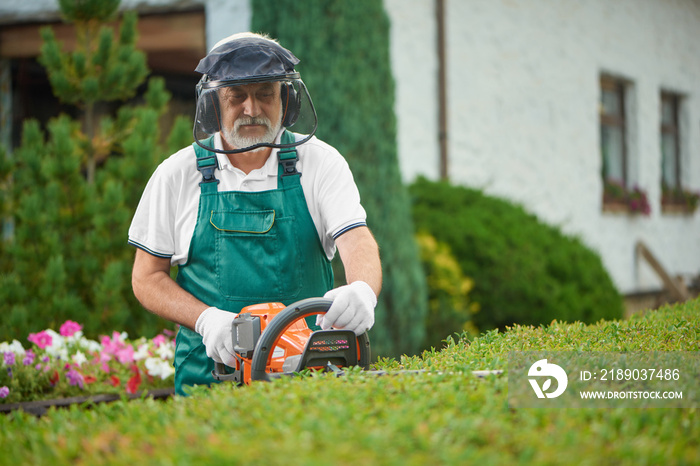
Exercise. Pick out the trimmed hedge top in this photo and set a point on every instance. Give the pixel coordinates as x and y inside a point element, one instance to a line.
<point>449,417</point>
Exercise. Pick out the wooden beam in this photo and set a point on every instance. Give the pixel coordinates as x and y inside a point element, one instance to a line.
<point>172,32</point>
<point>678,291</point>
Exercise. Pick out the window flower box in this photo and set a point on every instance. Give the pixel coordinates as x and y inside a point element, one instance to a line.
<point>618,198</point>
<point>679,200</point>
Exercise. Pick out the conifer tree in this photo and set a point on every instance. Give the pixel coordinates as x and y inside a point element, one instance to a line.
<point>70,192</point>
<point>344,52</point>
<point>99,69</point>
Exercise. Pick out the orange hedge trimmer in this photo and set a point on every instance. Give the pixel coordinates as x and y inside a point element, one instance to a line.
<point>271,340</point>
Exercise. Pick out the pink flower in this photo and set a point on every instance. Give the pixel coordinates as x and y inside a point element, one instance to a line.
<point>112,345</point>
<point>69,328</point>
<point>4,391</point>
<point>125,355</point>
<point>159,340</point>
<point>41,339</point>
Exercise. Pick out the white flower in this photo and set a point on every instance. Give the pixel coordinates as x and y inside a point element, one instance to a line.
<point>141,353</point>
<point>56,338</point>
<point>91,346</point>
<point>14,347</point>
<point>79,358</point>
<point>76,338</point>
<point>159,368</point>
<point>165,352</point>
<point>58,345</point>
<point>54,351</point>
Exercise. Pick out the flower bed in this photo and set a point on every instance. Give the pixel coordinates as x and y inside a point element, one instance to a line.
<point>66,364</point>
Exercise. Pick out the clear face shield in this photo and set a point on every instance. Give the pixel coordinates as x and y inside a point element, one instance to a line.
<point>249,114</point>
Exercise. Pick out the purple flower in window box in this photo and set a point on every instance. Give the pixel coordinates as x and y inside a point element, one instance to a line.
<point>633,200</point>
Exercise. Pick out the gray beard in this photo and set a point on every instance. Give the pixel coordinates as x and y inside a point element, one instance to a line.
<point>241,142</point>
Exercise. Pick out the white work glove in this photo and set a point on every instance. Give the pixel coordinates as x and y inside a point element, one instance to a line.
<point>215,327</point>
<point>352,308</point>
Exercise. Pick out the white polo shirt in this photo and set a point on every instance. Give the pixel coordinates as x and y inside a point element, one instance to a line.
<point>167,212</point>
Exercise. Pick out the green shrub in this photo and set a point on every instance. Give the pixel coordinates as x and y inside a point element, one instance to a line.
<point>448,417</point>
<point>345,63</point>
<point>69,192</point>
<point>449,308</point>
<point>524,271</point>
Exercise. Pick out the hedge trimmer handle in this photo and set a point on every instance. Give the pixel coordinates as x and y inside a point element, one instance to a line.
<point>279,324</point>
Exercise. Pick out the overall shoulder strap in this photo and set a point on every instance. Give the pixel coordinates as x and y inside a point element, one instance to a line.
<point>207,164</point>
<point>287,157</point>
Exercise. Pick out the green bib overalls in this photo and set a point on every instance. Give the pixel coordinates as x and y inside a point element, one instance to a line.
<point>248,248</point>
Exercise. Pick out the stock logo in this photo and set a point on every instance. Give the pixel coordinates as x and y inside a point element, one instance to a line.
<point>544,369</point>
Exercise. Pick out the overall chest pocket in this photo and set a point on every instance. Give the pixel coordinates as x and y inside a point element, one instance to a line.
<point>256,255</point>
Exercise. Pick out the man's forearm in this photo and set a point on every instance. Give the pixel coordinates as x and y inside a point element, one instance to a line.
<point>360,255</point>
<point>160,294</point>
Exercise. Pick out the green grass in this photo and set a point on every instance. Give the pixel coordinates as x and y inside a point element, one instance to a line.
<point>428,418</point>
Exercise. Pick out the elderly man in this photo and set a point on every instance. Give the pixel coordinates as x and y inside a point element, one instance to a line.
<point>251,212</point>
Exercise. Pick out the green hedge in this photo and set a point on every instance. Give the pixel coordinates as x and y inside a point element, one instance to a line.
<point>523,270</point>
<point>438,418</point>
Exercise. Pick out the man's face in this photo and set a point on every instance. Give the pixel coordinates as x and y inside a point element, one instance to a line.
<point>251,114</point>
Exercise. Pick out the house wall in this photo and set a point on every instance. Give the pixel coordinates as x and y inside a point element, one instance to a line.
<point>415,67</point>
<point>523,91</point>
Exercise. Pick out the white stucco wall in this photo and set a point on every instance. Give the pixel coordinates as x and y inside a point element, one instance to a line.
<point>226,17</point>
<point>414,65</point>
<point>523,111</point>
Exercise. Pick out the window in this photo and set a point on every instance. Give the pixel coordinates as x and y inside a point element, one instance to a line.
<point>674,196</point>
<point>619,193</point>
<point>613,131</point>
<point>670,142</point>
<point>670,149</point>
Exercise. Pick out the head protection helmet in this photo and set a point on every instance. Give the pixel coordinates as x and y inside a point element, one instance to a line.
<point>250,66</point>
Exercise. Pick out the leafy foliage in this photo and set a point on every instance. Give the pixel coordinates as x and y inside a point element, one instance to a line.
<point>100,69</point>
<point>86,10</point>
<point>449,308</point>
<point>524,271</point>
<point>345,63</point>
<point>70,193</point>
<point>448,417</point>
